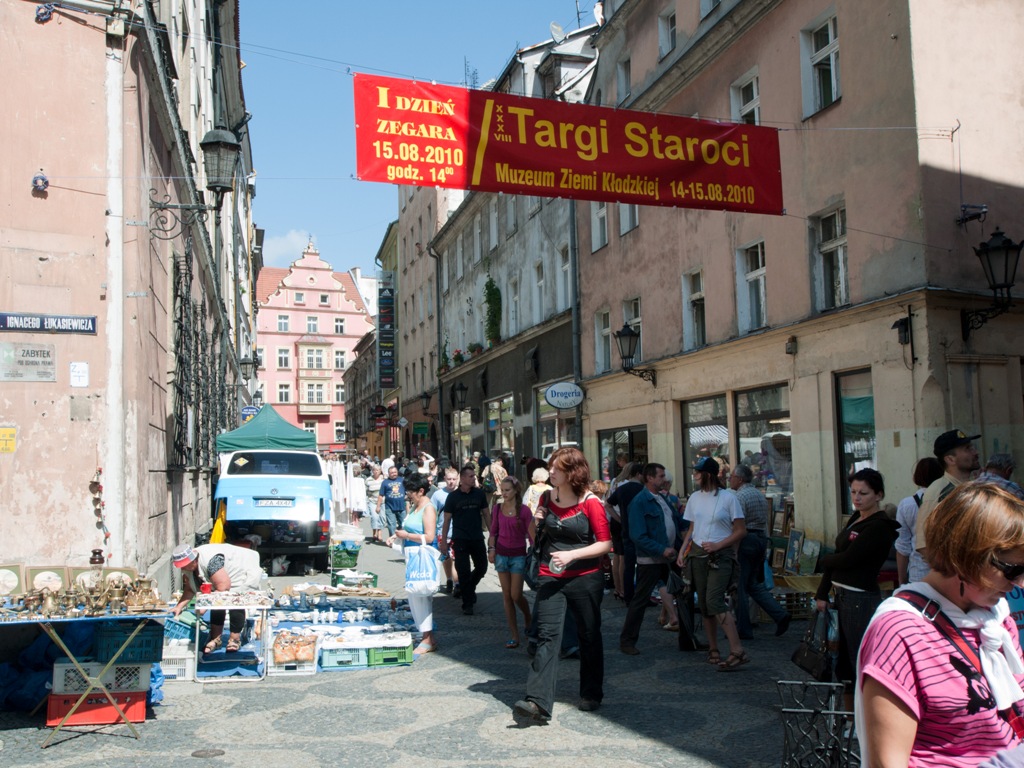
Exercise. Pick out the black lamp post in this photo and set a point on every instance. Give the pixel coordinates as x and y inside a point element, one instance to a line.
<point>626,340</point>
<point>257,398</point>
<point>461,390</point>
<point>220,153</point>
<point>247,366</point>
<point>425,401</point>
<point>999,258</point>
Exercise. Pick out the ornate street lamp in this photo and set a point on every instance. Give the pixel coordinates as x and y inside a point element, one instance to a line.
<point>999,258</point>
<point>460,390</point>
<point>626,340</point>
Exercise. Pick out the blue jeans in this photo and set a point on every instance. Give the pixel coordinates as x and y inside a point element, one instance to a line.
<point>394,518</point>
<point>751,557</point>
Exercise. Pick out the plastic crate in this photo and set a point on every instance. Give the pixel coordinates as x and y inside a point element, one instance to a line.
<point>178,663</point>
<point>390,656</point>
<point>800,605</point>
<point>337,580</point>
<point>96,709</point>
<point>177,630</point>
<point>120,677</point>
<point>290,668</point>
<point>147,647</point>
<point>343,658</point>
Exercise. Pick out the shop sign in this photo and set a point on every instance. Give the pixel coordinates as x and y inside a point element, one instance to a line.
<point>29,323</point>
<point>248,411</point>
<point>27,362</point>
<point>564,395</point>
<point>8,439</point>
<point>421,428</point>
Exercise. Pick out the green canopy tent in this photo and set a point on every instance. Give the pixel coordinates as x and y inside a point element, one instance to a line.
<point>266,430</point>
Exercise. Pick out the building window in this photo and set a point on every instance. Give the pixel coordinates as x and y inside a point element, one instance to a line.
<point>833,285</point>
<point>565,286</point>
<point>311,324</point>
<point>261,359</point>
<point>855,414</point>
<point>314,393</point>
<point>500,433</point>
<point>705,433</point>
<point>462,423</point>
<point>314,358</point>
<point>492,224</point>
<point>694,329</point>
<point>339,393</point>
<point>444,272</point>
<point>284,393</point>
<point>538,293</point>
<point>627,443</point>
<point>458,257</point>
<point>821,65</point>
<point>477,238</point>
<point>510,215</point>
<point>629,217</point>
<point>325,299</point>
<point>309,426</point>
<point>750,292</point>
<point>745,96</point>
<point>339,359</point>
<point>282,323</point>
<point>555,428</point>
<point>623,76</point>
<point>284,358</point>
<point>765,441</point>
<point>598,225</point>
<point>631,316</point>
<point>300,297</point>
<point>339,325</point>
<point>513,307</point>
<point>666,34</point>
<point>603,339</point>
<point>339,431</point>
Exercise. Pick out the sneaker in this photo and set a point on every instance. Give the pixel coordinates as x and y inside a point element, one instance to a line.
<point>531,711</point>
<point>783,625</point>
<point>588,705</point>
<point>629,650</point>
<point>456,591</point>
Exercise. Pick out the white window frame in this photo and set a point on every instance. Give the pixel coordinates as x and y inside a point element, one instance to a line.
<point>538,293</point>
<point>339,431</point>
<point>629,217</point>
<point>631,316</point>
<point>492,224</point>
<point>694,315</point>
<point>314,393</point>
<point>477,239</point>
<point>339,393</point>
<point>598,225</point>
<point>513,306</point>
<point>815,60</point>
<point>300,297</point>
<point>339,326</point>
<point>282,323</point>
<point>667,32</point>
<point>325,299</point>
<point>511,222</point>
<point>830,257</point>
<point>341,356</point>
<point>312,324</point>
<point>565,275</point>
<point>746,109</point>
<point>458,257</point>
<point>602,341</point>
<point>623,77</point>
<point>750,283</point>
<point>285,354</point>
<point>314,358</point>
<point>284,392</point>
<point>309,426</point>
<point>444,271</point>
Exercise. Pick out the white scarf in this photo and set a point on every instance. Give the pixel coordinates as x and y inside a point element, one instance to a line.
<point>999,659</point>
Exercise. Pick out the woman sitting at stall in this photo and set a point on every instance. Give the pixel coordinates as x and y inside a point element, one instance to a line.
<point>852,572</point>
<point>506,551</point>
<point>940,665</point>
<point>421,519</point>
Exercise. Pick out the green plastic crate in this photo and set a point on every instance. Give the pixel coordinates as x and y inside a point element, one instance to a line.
<point>343,658</point>
<point>389,657</point>
<point>371,581</point>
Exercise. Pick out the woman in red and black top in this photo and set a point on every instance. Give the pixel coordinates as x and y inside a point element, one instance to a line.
<point>571,531</point>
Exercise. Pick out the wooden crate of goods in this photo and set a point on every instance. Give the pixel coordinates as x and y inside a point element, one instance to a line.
<point>120,677</point>
<point>96,709</point>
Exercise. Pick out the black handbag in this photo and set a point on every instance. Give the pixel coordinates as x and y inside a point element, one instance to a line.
<point>531,574</point>
<point>812,654</point>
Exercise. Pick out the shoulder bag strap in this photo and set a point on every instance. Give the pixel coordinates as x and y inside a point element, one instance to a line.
<point>932,611</point>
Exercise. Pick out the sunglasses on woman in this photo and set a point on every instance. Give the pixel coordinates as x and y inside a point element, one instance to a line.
<point>1012,571</point>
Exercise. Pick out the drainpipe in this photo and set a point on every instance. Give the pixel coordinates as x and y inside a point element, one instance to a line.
<point>577,363</point>
<point>445,442</point>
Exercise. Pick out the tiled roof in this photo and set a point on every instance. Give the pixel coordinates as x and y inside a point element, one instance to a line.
<point>269,280</point>
<point>351,290</point>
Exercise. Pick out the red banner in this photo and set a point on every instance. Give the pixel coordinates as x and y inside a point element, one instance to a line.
<point>408,132</point>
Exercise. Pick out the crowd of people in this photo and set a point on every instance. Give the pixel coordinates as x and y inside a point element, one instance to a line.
<point>934,672</point>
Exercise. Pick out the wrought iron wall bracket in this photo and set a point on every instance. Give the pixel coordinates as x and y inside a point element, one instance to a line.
<point>647,374</point>
<point>169,221</point>
<point>973,319</point>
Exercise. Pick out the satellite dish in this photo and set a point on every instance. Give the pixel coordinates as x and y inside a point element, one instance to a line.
<point>557,33</point>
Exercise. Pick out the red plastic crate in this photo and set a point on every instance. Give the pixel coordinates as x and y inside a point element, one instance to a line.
<point>96,709</point>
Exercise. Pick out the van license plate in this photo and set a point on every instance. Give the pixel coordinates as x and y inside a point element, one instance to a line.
<point>273,502</point>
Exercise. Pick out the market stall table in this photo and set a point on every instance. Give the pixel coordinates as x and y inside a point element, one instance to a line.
<point>254,600</point>
<point>92,682</point>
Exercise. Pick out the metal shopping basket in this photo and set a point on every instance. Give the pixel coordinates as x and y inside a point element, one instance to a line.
<point>817,732</point>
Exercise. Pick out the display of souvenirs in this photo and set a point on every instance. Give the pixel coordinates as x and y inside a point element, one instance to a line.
<point>253,598</point>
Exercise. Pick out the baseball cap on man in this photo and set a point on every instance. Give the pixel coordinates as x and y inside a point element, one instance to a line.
<point>954,438</point>
<point>708,464</point>
<point>183,555</point>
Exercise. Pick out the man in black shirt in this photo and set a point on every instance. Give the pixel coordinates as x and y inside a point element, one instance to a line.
<point>618,504</point>
<point>467,516</point>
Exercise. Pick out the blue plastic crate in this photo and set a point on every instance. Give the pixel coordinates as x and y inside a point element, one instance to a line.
<point>146,647</point>
<point>176,630</point>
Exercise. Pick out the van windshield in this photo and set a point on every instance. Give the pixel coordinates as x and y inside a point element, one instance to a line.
<point>273,463</point>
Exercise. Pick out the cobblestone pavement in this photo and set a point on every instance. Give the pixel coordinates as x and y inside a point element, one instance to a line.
<point>453,707</point>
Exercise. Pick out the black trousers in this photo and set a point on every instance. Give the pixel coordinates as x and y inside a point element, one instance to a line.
<point>467,550</point>
<point>582,597</point>
<point>237,619</point>
<point>647,576</point>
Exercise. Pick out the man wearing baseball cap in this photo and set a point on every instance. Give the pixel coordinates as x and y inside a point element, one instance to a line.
<point>959,458</point>
<point>226,568</point>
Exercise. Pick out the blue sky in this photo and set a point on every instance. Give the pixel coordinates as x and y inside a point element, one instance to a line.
<point>298,85</point>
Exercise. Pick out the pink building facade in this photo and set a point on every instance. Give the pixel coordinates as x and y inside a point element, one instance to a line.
<point>309,321</point>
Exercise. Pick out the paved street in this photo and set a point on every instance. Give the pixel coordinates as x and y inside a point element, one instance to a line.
<point>453,707</point>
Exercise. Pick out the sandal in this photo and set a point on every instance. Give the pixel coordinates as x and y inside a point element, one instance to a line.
<point>511,645</point>
<point>734,661</point>
<point>234,644</point>
<point>214,644</point>
<point>424,648</point>
<point>714,657</point>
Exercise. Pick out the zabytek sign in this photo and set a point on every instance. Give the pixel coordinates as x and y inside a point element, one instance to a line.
<point>408,132</point>
<point>564,395</point>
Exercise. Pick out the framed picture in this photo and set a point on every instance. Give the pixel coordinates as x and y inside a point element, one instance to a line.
<point>83,578</point>
<point>778,559</point>
<point>12,579</point>
<point>796,540</point>
<point>779,527</point>
<point>51,577</point>
<point>809,557</point>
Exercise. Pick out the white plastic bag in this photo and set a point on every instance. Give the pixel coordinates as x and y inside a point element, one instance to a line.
<point>422,571</point>
<point>279,565</point>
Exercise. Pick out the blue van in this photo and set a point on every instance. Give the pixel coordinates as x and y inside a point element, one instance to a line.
<point>284,497</point>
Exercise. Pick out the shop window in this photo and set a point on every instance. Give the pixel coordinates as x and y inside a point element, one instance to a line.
<point>705,433</point>
<point>500,433</point>
<point>765,439</point>
<point>855,427</point>
<point>555,428</point>
<point>630,442</point>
